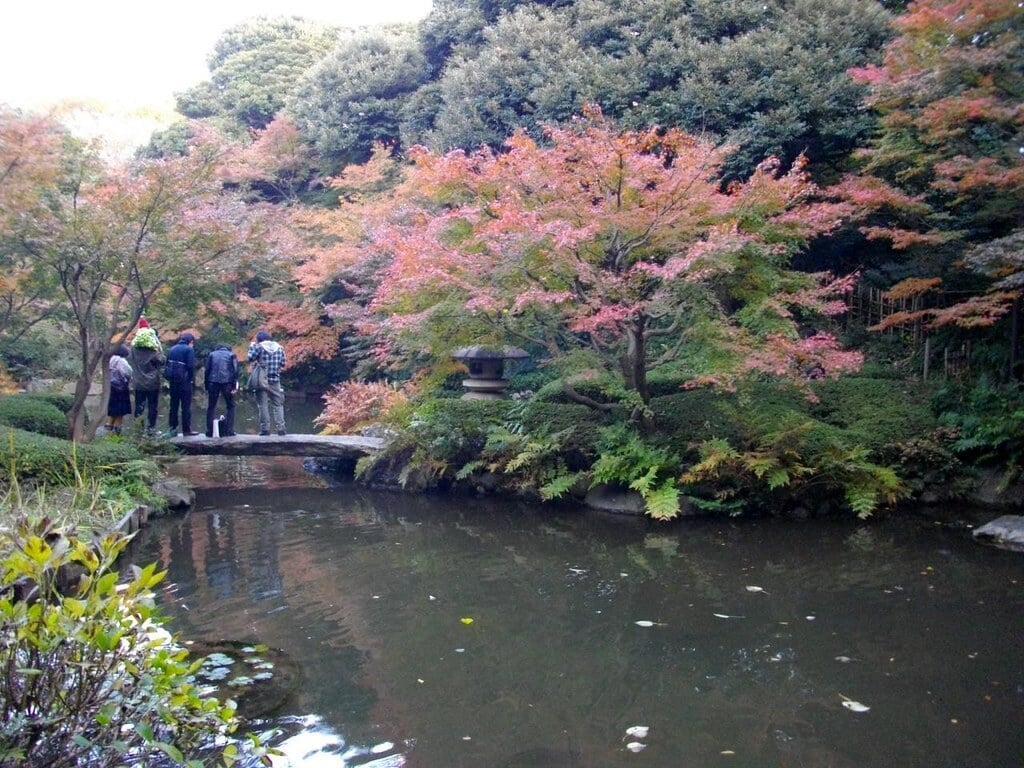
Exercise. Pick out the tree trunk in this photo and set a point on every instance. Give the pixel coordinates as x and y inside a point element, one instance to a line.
<point>83,430</point>
<point>634,370</point>
<point>634,359</point>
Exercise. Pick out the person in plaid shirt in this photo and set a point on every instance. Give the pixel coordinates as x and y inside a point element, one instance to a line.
<point>270,401</point>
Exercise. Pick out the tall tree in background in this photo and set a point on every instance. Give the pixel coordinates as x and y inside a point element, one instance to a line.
<point>767,77</point>
<point>253,68</point>
<point>950,93</point>
<point>612,254</point>
<point>31,160</point>
<point>355,96</point>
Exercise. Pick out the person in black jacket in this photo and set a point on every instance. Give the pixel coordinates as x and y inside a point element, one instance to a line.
<point>180,372</point>
<point>221,379</point>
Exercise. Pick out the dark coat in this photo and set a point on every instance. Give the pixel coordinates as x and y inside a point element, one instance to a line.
<point>147,367</point>
<point>222,367</point>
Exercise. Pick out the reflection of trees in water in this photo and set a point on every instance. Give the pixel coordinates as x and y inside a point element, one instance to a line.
<point>554,661</point>
<point>247,472</point>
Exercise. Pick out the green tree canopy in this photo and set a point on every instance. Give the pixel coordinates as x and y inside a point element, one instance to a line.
<point>354,96</point>
<point>253,68</point>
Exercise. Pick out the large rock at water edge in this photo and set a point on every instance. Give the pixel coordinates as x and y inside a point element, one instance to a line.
<point>177,493</point>
<point>1006,531</point>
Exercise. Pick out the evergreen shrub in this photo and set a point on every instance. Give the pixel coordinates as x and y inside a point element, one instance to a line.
<point>62,400</point>
<point>875,411</point>
<point>455,431</point>
<point>50,460</point>
<point>696,415</point>
<point>585,424</point>
<point>33,414</point>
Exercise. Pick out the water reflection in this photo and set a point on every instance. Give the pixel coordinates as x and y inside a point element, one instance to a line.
<point>372,594</point>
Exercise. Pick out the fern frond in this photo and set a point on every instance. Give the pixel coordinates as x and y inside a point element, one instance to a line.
<point>663,502</point>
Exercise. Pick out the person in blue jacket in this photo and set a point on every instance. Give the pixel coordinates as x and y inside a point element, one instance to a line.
<point>180,372</point>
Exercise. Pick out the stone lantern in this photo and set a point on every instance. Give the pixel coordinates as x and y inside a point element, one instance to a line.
<point>486,370</point>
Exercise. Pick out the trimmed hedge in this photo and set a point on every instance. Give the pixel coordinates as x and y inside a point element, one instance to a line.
<point>61,400</point>
<point>49,460</point>
<point>33,414</point>
<point>875,411</point>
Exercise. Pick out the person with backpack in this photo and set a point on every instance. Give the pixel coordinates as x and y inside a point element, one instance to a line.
<point>180,372</point>
<point>147,359</point>
<point>269,355</point>
<point>119,404</point>
<point>221,379</point>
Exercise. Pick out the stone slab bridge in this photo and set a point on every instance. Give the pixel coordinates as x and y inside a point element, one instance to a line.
<point>350,446</point>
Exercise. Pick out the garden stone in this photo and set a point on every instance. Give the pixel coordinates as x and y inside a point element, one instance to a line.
<point>613,498</point>
<point>176,492</point>
<point>1006,531</point>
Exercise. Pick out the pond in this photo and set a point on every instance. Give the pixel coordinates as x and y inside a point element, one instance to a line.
<point>444,632</point>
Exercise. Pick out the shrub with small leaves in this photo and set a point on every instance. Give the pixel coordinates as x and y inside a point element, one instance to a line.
<point>42,459</point>
<point>33,415</point>
<point>89,675</point>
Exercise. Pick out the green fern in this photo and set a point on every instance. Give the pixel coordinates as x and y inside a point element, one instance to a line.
<point>662,503</point>
<point>560,485</point>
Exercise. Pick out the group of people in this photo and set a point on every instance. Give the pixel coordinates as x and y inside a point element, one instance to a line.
<point>143,367</point>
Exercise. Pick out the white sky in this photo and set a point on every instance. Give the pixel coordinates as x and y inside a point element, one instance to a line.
<point>124,55</point>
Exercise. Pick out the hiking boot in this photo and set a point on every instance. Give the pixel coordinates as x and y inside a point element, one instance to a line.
<point>264,433</point>
<point>281,432</point>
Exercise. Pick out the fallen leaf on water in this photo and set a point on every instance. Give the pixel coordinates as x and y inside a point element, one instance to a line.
<point>644,623</point>
<point>636,746</point>
<point>853,706</point>
<point>466,620</point>
<point>727,752</point>
<point>844,659</point>
<point>726,616</point>
<point>637,731</point>
<point>752,588</point>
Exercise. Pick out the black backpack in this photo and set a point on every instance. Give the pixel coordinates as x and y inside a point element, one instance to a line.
<point>175,371</point>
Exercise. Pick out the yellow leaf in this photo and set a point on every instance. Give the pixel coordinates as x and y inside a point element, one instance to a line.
<point>466,620</point>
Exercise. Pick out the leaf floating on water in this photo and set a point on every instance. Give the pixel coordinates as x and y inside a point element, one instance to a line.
<point>466,620</point>
<point>751,588</point>
<point>853,706</point>
<point>726,616</point>
<point>844,659</point>
<point>727,752</point>
<point>644,623</point>
<point>637,731</point>
<point>636,746</point>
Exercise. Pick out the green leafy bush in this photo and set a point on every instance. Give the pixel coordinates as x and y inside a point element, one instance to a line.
<point>441,436</point>
<point>990,422</point>
<point>875,411</point>
<point>89,675</point>
<point>41,459</point>
<point>61,400</point>
<point>33,414</point>
<point>581,425</point>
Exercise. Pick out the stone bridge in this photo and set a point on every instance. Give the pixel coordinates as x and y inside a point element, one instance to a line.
<point>352,446</point>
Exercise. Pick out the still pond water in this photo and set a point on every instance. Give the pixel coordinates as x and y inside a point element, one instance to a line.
<point>440,633</point>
